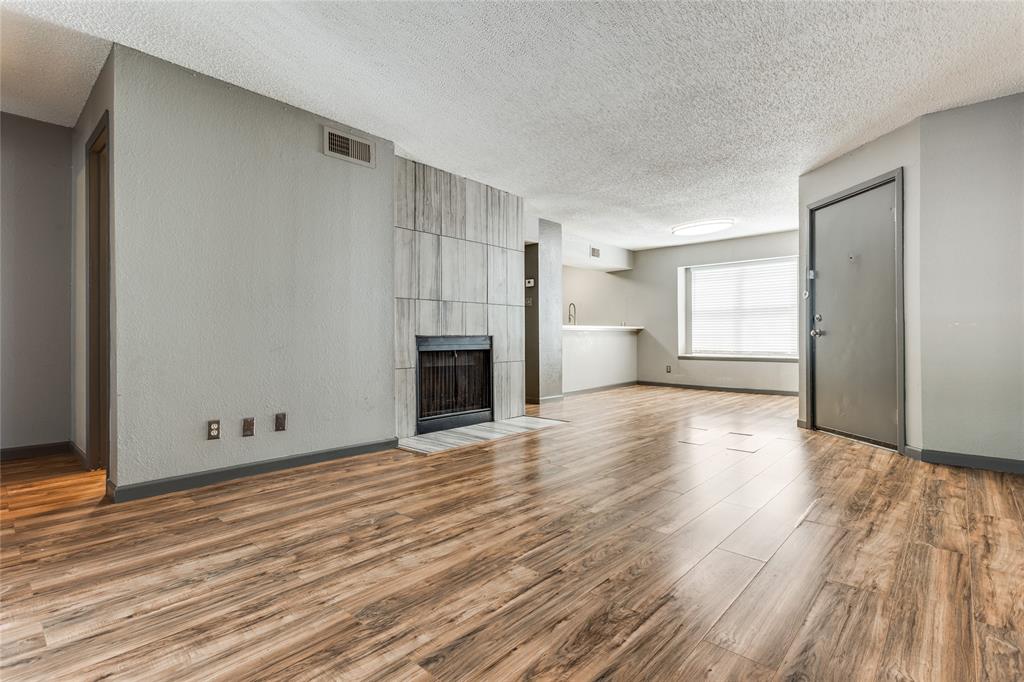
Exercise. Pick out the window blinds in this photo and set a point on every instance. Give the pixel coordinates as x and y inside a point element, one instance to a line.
<point>746,308</point>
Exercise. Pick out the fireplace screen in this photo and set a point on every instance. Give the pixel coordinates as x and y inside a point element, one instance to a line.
<point>454,381</point>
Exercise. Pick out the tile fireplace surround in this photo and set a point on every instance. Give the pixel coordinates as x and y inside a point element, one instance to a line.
<point>458,272</point>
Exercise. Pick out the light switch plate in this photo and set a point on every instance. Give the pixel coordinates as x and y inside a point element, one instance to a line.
<point>280,421</point>
<point>249,426</point>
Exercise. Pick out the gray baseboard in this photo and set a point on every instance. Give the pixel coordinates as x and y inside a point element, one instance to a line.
<point>41,450</point>
<point>802,424</point>
<point>761,391</point>
<point>959,459</point>
<point>912,452</point>
<point>545,399</point>
<point>137,491</point>
<point>598,389</point>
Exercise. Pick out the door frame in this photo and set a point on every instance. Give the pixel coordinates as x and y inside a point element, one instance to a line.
<point>98,270</point>
<point>896,177</point>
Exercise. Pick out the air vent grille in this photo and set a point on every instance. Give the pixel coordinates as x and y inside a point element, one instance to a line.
<point>348,147</point>
<point>595,252</point>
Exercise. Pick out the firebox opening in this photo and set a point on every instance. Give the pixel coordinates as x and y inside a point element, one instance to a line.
<point>453,385</point>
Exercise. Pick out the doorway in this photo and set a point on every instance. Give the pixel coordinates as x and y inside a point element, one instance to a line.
<point>855,309</point>
<point>97,152</point>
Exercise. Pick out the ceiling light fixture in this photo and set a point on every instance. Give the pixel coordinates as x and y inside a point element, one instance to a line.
<point>703,227</point>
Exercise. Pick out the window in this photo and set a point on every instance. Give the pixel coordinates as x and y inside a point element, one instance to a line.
<point>740,309</point>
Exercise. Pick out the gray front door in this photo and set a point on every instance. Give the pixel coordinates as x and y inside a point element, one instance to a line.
<point>854,323</point>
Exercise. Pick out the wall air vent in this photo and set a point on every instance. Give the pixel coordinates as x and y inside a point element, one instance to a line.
<point>595,253</point>
<point>344,146</point>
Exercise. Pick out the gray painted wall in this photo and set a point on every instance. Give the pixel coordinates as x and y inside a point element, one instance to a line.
<point>549,298</point>
<point>647,296</point>
<point>902,147</point>
<point>972,279</point>
<point>35,200</point>
<point>600,297</point>
<point>253,274</point>
<point>963,260</point>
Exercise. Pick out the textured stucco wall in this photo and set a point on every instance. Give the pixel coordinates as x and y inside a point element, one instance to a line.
<point>972,279</point>
<point>253,274</point>
<point>35,200</point>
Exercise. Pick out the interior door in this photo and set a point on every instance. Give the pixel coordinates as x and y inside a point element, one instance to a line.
<point>98,305</point>
<point>855,310</point>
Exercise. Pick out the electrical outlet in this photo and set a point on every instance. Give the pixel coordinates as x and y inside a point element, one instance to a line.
<point>213,429</point>
<point>249,426</point>
<point>279,421</point>
<point>668,369</point>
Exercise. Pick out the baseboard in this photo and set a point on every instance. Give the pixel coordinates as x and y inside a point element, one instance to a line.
<point>959,459</point>
<point>912,452</point>
<point>761,391</point>
<point>137,491</point>
<point>545,399</point>
<point>597,389</point>
<point>40,450</point>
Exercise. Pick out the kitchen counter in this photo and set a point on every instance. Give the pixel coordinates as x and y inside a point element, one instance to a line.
<point>599,328</point>
<point>597,355</point>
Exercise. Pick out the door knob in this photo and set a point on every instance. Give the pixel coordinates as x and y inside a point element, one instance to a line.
<point>817,332</point>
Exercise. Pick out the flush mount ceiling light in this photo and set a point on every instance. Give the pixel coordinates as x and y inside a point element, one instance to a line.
<point>703,227</point>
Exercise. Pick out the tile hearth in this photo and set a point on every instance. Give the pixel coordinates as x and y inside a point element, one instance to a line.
<point>439,441</point>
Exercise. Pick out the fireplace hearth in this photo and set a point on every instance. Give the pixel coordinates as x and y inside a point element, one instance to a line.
<point>453,382</point>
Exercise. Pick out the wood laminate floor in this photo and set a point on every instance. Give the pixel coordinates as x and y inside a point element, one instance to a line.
<point>660,534</point>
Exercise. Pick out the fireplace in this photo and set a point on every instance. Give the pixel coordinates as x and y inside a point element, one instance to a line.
<point>453,382</point>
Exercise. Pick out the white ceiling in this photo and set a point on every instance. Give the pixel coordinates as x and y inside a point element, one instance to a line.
<point>617,119</point>
<point>46,71</point>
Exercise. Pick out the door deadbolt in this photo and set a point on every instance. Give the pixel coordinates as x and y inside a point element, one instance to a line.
<point>817,318</point>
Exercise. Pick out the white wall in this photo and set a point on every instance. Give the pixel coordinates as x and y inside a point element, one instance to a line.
<point>597,358</point>
<point>972,279</point>
<point>902,147</point>
<point>647,296</point>
<point>35,200</point>
<point>253,274</point>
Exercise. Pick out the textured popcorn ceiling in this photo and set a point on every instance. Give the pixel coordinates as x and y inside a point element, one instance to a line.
<point>46,71</point>
<point>619,120</point>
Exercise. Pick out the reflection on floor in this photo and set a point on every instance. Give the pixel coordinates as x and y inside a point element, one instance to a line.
<point>604,548</point>
<point>471,435</point>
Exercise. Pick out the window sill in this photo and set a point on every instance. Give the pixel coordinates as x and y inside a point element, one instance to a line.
<point>740,358</point>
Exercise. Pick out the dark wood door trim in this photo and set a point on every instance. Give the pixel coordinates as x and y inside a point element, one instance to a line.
<point>98,295</point>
